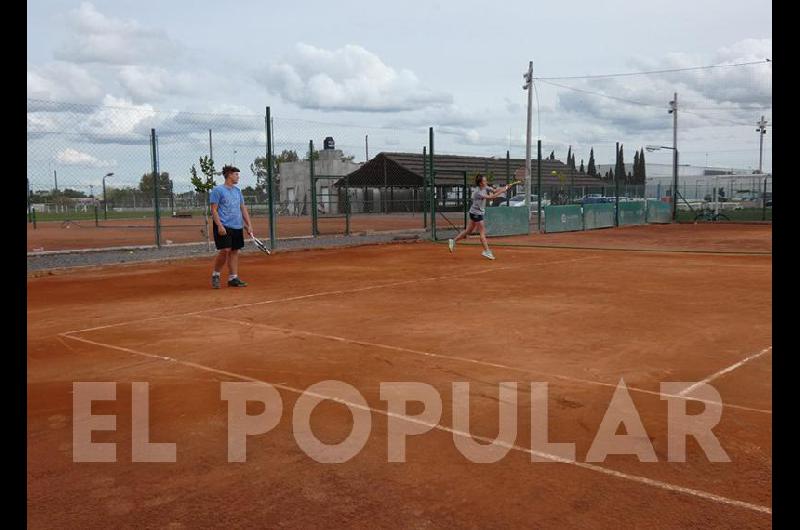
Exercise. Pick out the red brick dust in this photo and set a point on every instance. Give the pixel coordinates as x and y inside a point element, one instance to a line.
<point>578,320</point>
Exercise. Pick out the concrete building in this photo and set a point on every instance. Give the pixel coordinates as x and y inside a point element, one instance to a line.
<point>295,182</point>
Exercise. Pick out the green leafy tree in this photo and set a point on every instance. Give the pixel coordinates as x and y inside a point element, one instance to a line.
<point>204,184</point>
<point>164,184</point>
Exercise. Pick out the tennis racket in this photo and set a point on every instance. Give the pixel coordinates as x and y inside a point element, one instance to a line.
<point>260,244</point>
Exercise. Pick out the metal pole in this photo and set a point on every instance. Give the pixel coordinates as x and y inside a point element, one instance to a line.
<point>270,184</point>
<point>313,188</point>
<point>508,177</point>
<point>55,179</point>
<point>29,199</point>
<point>105,201</point>
<point>154,150</point>
<point>674,111</point>
<point>764,202</point>
<point>762,130</point>
<point>432,177</point>
<point>210,146</point>
<point>529,87</point>
<point>539,184</point>
<point>616,189</point>
<point>366,148</point>
<point>424,187</point>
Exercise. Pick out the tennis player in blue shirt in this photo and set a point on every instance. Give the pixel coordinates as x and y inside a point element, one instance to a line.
<point>231,219</point>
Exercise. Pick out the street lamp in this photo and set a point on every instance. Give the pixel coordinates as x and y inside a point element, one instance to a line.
<point>674,176</point>
<point>105,197</point>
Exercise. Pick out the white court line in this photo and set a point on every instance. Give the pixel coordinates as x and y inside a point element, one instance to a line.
<point>479,362</point>
<point>327,293</point>
<point>592,467</point>
<point>724,371</point>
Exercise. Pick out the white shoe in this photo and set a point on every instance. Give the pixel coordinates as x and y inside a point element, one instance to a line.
<point>487,254</point>
<point>451,244</point>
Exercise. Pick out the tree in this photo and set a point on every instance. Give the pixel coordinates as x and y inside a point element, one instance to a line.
<point>287,155</point>
<point>552,155</point>
<point>642,168</point>
<point>582,169</point>
<point>610,174</point>
<point>591,169</point>
<point>146,184</point>
<point>635,178</point>
<point>204,185</point>
<point>569,157</point>
<point>620,166</point>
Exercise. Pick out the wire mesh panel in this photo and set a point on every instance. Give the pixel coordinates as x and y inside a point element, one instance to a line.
<point>89,176</point>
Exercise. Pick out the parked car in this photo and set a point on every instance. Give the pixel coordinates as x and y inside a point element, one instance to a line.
<point>519,200</point>
<point>595,198</point>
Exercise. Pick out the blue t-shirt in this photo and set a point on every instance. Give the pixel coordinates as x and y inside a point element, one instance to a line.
<point>229,205</point>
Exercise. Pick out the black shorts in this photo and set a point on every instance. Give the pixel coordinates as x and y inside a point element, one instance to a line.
<point>233,238</point>
<point>475,217</point>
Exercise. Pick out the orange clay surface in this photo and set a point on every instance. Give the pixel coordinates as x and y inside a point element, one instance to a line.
<point>577,319</point>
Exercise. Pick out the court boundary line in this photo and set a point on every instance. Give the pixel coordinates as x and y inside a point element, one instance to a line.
<point>326,293</point>
<point>724,371</point>
<point>554,458</point>
<point>657,251</point>
<point>480,362</point>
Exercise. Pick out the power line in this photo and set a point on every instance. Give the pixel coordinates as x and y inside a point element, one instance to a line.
<point>640,103</point>
<point>655,72</point>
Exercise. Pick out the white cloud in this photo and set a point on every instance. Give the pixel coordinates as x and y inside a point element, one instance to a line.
<point>97,38</point>
<point>121,121</point>
<point>709,97</point>
<point>72,157</point>
<point>146,83</point>
<point>60,81</point>
<point>350,79</point>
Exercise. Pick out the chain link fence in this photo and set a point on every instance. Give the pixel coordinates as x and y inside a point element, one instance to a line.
<point>113,176</point>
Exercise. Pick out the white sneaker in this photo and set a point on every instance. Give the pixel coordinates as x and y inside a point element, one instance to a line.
<point>451,244</point>
<point>487,254</point>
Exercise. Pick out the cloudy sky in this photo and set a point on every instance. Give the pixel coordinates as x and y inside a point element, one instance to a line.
<point>390,70</point>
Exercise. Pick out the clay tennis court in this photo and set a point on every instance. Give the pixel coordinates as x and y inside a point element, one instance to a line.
<point>83,234</point>
<point>578,319</point>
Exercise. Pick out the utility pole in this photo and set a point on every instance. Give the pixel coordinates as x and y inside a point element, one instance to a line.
<point>673,109</point>
<point>528,76</point>
<point>55,179</point>
<point>762,130</point>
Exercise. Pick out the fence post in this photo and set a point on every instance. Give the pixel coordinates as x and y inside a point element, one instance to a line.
<point>764,202</point>
<point>270,183</point>
<point>313,188</point>
<point>30,219</point>
<point>538,185</point>
<point>33,218</point>
<point>432,178</point>
<point>424,187</point>
<point>154,152</point>
<point>96,220</point>
<point>508,177</point>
